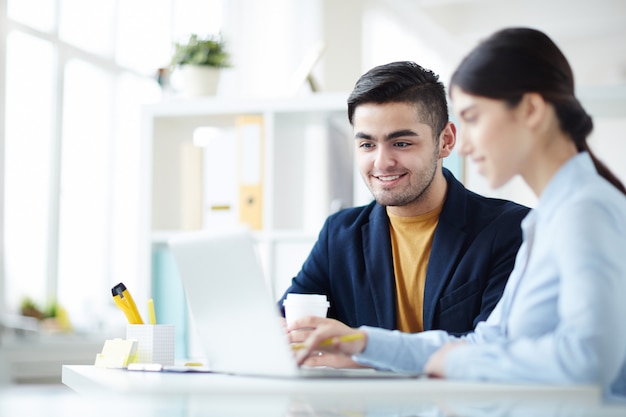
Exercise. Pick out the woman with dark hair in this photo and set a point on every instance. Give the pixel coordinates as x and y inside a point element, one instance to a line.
<point>561,317</point>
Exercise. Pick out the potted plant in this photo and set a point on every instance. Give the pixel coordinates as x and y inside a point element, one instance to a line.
<point>51,318</point>
<point>199,62</point>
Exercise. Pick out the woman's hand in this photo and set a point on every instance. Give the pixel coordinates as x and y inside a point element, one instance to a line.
<point>317,334</point>
<point>436,364</point>
<point>332,360</point>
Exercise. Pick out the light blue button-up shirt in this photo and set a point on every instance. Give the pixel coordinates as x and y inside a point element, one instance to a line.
<point>562,316</point>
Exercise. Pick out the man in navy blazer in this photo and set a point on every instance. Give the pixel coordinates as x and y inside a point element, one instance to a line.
<point>427,253</point>
<point>472,255</point>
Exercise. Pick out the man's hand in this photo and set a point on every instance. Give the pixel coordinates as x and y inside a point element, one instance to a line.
<point>321,335</point>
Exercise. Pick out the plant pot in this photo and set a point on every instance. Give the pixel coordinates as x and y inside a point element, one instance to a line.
<point>199,80</point>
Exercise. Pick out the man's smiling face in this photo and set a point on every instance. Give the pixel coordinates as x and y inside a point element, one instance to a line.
<point>396,154</point>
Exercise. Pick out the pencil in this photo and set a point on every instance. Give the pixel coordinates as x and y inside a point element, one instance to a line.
<point>345,338</point>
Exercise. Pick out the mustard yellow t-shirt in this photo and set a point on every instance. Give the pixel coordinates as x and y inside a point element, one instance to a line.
<point>411,244</point>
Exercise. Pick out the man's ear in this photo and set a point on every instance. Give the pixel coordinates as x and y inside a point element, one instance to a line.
<point>447,140</point>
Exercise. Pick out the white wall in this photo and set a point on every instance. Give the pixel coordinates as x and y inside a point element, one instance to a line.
<point>608,142</point>
<point>268,39</point>
<point>607,105</point>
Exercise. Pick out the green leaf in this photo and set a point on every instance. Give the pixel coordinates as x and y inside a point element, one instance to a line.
<point>209,51</point>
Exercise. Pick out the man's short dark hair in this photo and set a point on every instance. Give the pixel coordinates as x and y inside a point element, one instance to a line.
<point>403,82</point>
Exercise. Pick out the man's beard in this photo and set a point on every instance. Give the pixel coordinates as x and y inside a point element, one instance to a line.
<point>413,193</point>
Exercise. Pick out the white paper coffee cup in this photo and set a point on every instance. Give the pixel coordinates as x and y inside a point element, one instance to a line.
<point>304,305</point>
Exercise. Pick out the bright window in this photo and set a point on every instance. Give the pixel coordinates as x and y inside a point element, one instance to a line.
<point>89,25</point>
<point>86,190</point>
<point>38,14</point>
<point>77,76</point>
<point>30,126</point>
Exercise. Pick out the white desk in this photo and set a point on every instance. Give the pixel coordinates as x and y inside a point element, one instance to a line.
<point>88,379</point>
<point>214,394</point>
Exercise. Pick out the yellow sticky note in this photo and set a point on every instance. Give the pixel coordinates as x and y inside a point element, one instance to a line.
<point>116,353</point>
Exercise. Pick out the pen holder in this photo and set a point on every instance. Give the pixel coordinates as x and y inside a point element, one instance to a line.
<point>155,342</point>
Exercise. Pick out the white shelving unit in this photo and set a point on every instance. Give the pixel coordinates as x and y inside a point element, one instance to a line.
<point>307,160</point>
<point>38,358</point>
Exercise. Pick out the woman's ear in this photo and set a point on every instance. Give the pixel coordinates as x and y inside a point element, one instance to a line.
<point>533,108</point>
<point>447,140</point>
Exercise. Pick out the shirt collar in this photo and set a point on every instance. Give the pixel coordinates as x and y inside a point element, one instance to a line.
<point>572,174</point>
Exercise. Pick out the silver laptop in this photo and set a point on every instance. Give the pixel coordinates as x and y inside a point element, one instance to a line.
<point>237,320</point>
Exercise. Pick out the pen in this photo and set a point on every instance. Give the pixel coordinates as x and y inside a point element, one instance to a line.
<point>125,302</point>
<point>151,312</point>
<point>345,338</point>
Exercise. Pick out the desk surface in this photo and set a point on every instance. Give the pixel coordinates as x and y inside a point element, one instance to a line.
<point>206,394</point>
<point>87,378</point>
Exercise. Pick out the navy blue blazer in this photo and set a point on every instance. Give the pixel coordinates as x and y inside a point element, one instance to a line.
<point>473,253</point>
